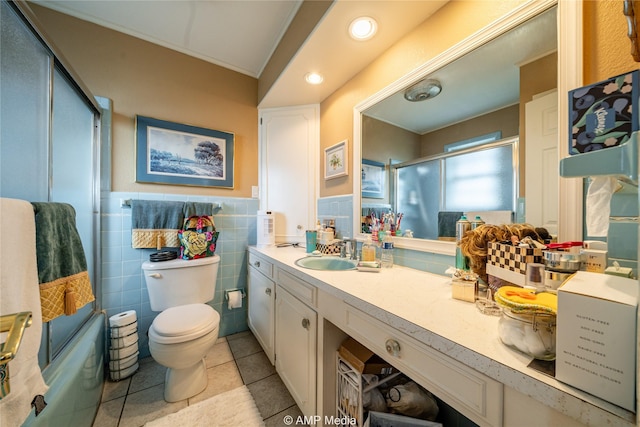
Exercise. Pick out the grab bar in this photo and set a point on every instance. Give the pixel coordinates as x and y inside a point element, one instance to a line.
<point>15,324</point>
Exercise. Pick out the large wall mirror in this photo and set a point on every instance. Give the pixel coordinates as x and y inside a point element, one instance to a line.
<point>486,86</point>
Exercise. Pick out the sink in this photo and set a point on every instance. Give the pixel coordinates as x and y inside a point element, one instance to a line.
<point>326,263</point>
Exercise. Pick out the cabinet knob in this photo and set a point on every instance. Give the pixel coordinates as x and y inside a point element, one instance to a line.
<point>393,347</point>
<point>305,323</point>
<point>257,263</point>
<point>267,291</point>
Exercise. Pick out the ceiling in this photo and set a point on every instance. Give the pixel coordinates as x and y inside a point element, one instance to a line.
<point>481,81</point>
<point>242,35</point>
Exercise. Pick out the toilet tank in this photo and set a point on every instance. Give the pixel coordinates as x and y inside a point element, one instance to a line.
<point>180,282</point>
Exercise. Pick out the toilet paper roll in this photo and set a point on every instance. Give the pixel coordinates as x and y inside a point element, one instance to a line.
<point>123,319</point>
<point>235,299</point>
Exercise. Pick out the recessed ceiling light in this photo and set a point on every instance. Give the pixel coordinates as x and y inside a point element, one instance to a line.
<point>363,28</point>
<point>313,78</point>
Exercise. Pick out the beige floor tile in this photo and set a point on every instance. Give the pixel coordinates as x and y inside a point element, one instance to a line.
<point>221,378</point>
<point>220,353</point>
<point>109,413</point>
<point>255,367</point>
<point>149,374</point>
<point>277,420</point>
<point>271,396</point>
<point>148,405</point>
<point>244,344</point>
<point>114,389</point>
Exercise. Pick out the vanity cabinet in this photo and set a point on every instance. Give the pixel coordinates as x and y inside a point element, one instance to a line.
<point>296,338</point>
<point>261,292</point>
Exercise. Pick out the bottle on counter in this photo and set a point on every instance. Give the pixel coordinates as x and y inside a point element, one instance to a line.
<point>477,222</point>
<point>462,226</point>
<point>368,250</point>
<point>386,257</point>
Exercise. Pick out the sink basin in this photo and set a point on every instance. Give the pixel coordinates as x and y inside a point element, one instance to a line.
<point>326,263</point>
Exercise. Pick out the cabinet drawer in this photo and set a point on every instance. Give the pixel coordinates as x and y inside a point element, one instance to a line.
<point>475,395</point>
<point>260,264</point>
<point>302,290</point>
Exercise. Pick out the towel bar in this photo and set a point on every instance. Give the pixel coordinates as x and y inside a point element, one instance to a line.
<point>126,203</point>
<point>15,324</point>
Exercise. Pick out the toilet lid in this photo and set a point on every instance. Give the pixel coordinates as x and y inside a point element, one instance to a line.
<point>185,322</point>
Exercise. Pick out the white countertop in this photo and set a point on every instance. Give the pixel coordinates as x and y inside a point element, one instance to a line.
<point>420,305</point>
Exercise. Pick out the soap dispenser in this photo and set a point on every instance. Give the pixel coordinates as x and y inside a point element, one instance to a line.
<point>368,250</point>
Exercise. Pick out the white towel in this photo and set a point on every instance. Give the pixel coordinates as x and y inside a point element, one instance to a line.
<point>19,291</point>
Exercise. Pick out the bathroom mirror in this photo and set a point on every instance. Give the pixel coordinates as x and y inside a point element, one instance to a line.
<point>468,74</point>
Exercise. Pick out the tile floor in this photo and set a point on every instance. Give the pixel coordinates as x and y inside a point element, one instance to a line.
<point>234,360</point>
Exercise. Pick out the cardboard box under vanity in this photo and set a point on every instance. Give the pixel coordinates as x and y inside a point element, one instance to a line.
<point>596,336</point>
<point>364,360</point>
<point>604,114</point>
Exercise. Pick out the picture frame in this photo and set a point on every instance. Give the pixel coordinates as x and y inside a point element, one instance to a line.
<point>335,161</point>
<point>179,154</point>
<point>373,179</point>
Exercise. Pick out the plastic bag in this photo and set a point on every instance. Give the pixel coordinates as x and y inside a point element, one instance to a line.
<point>413,401</point>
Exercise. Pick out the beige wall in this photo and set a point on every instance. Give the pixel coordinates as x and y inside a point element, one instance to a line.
<point>505,120</point>
<point>144,79</point>
<point>388,142</point>
<point>452,23</point>
<point>607,48</point>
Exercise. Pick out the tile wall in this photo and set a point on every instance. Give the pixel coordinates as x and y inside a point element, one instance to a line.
<point>123,286</point>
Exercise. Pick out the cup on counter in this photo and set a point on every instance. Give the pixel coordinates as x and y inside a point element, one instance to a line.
<point>312,238</point>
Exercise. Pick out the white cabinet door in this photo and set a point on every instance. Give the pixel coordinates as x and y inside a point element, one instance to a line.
<point>288,161</point>
<point>296,349</point>
<point>261,295</point>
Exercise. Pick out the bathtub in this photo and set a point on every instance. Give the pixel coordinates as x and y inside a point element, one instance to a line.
<point>75,379</point>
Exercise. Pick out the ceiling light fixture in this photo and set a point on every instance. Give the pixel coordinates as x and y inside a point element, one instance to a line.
<point>423,90</point>
<point>313,78</point>
<point>363,28</point>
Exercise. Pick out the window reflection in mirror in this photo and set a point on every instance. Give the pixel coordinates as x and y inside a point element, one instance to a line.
<point>479,97</point>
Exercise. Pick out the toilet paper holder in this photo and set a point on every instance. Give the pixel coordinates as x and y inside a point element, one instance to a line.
<point>226,293</point>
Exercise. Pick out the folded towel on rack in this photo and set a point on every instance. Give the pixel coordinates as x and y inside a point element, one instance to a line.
<point>198,209</point>
<point>62,266</point>
<point>155,223</point>
<point>19,290</point>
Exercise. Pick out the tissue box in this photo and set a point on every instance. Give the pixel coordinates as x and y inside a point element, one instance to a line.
<point>513,258</point>
<point>596,336</point>
<point>604,114</point>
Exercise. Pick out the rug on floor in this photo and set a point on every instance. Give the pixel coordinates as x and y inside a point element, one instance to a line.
<point>232,408</point>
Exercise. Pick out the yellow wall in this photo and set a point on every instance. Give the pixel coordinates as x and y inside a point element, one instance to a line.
<point>144,79</point>
<point>448,26</point>
<point>607,48</point>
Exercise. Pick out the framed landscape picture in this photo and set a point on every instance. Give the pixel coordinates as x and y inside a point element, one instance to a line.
<point>373,181</point>
<point>179,154</point>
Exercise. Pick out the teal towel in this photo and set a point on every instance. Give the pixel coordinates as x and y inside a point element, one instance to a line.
<point>155,223</point>
<point>198,209</point>
<point>156,214</point>
<point>58,246</point>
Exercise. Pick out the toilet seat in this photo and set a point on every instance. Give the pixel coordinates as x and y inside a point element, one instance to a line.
<point>183,323</point>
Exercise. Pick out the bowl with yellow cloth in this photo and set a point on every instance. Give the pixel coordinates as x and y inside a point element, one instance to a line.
<point>528,322</point>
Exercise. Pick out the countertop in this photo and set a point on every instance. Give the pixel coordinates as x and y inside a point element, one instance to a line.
<point>420,305</point>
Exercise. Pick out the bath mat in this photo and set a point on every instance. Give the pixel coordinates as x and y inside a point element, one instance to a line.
<point>232,408</point>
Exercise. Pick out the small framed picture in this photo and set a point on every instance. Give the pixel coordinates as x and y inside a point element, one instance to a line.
<point>179,154</point>
<point>335,161</point>
<point>373,181</point>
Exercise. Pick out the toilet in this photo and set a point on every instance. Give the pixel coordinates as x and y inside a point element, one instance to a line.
<point>186,329</point>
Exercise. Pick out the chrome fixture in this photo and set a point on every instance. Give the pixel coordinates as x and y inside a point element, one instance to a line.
<point>423,90</point>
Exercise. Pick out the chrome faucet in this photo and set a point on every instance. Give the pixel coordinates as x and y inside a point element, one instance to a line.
<point>348,248</point>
